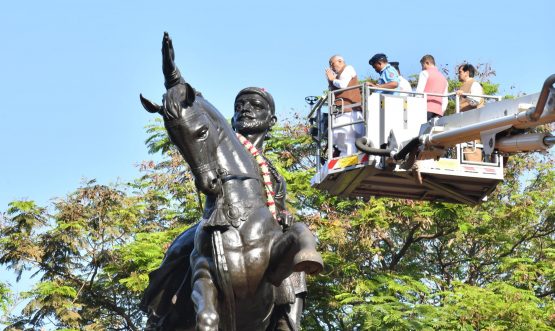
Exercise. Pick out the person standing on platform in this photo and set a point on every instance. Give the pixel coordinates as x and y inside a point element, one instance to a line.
<point>431,80</point>
<point>389,77</point>
<point>347,107</point>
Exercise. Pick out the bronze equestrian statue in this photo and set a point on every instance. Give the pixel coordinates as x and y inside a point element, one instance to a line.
<point>253,117</point>
<point>240,253</point>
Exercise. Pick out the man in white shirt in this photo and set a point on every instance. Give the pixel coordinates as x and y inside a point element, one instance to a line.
<point>466,103</point>
<point>347,106</point>
<point>469,86</point>
<point>404,85</point>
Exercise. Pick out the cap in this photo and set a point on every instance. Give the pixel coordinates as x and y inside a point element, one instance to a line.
<point>376,58</point>
<point>260,91</point>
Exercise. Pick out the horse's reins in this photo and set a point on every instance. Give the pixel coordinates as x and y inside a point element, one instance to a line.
<point>204,168</point>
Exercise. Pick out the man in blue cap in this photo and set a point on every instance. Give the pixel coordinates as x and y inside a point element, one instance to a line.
<point>389,78</point>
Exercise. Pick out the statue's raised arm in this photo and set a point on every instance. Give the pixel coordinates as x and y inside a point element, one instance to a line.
<point>171,72</point>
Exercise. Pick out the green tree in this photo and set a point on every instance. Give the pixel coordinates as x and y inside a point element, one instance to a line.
<point>390,264</point>
<point>93,252</point>
<point>407,265</point>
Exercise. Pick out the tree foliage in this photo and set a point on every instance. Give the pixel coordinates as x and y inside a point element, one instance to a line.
<point>93,252</point>
<point>406,265</point>
<point>389,264</point>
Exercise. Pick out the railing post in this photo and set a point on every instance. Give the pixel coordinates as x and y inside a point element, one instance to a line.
<point>331,102</point>
<point>311,100</point>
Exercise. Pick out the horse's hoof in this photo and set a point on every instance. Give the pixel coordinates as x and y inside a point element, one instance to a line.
<point>309,261</point>
<point>207,321</point>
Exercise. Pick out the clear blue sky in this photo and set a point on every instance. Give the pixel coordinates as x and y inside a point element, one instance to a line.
<point>71,71</point>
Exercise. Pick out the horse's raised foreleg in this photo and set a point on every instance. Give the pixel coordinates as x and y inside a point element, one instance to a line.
<point>295,250</point>
<point>204,293</point>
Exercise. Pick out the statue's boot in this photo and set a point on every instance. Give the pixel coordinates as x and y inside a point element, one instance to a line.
<point>307,259</point>
<point>295,251</point>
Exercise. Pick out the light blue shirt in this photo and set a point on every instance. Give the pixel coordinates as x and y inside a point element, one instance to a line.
<point>387,75</point>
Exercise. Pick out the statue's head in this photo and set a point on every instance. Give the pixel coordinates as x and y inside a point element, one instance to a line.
<point>254,111</point>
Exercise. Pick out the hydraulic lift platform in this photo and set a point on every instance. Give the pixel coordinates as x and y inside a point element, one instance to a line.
<point>425,160</point>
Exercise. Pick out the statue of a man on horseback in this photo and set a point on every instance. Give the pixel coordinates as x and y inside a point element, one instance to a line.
<point>242,266</point>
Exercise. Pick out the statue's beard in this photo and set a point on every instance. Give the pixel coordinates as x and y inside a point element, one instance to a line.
<point>251,126</point>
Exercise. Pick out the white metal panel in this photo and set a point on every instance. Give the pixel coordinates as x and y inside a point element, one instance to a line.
<point>373,118</point>
<point>392,115</point>
<point>416,114</point>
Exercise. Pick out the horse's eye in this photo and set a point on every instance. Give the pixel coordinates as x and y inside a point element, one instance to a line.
<point>202,134</point>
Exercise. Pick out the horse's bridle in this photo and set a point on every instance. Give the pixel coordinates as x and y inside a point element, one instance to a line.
<point>222,174</point>
<point>225,176</point>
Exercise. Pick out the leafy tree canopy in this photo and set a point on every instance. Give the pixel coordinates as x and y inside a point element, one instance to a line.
<point>390,264</point>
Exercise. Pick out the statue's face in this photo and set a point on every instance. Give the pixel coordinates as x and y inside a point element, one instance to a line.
<point>252,114</point>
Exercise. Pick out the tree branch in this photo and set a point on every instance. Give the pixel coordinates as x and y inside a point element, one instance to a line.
<point>408,242</point>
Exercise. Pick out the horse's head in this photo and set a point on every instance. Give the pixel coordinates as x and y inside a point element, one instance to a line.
<point>193,131</point>
<point>188,124</point>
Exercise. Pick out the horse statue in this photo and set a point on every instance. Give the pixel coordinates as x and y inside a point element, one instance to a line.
<point>240,253</point>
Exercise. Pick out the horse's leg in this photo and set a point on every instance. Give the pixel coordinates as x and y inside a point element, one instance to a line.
<point>295,250</point>
<point>204,294</point>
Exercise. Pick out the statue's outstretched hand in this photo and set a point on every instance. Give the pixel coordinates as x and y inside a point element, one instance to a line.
<point>168,56</point>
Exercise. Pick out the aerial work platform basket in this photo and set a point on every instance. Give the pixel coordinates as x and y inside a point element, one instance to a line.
<point>401,155</point>
<point>446,180</point>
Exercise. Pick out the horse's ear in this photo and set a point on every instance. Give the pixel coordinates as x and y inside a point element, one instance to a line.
<point>149,105</point>
<point>190,95</point>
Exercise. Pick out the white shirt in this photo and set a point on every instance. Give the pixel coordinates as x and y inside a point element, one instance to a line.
<point>343,80</point>
<point>404,84</point>
<point>422,80</point>
<point>476,88</point>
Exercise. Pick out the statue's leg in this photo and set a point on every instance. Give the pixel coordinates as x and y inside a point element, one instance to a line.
<point>296,311</point>
<point>290,300</point>
<point>295,250</point>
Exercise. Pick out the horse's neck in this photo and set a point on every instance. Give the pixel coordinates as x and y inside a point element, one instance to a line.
<point>235,160</point>
<point>233,157</point>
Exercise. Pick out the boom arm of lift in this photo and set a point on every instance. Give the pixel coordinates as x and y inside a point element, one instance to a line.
<point>499,125</point>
